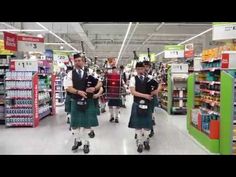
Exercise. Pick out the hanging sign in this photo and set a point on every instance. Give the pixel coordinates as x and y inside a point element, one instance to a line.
<point>224,30</point>
<point>188,51</point>
<point>174,51</point>
<point>24,65</point>
<point>228,60</point>
<point>30,44</point>
<point>10,41</point>
<point>179,68</point>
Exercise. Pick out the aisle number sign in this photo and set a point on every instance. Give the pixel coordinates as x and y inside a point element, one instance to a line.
<point>29,43</point>
<point>24,65</point>
<point>224,31</point>
<point>174,51</point>
<point>10,41</point>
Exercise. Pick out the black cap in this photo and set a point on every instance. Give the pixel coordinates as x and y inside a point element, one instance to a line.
<point>139,64</point>
<point>77,55</point>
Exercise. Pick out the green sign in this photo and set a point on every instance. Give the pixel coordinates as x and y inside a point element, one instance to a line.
<point>174,47</point>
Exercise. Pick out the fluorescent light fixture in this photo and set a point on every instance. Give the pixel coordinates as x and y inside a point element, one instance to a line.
<point>54,43</point>
<point>23,30</point>
<point>57,36</point>
<point>189,39</point>
<point>129,39</point>
<point>126,35</point>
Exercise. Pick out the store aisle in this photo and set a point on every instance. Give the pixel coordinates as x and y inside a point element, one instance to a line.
<point>53,136</point>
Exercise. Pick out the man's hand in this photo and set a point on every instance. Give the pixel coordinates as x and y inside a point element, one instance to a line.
<point>148,97</point>
<point>90,90</point>
<point>96,96</point>
<point>82,93</point>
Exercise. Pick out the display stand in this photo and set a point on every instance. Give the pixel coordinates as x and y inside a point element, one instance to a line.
<point>59,89</point>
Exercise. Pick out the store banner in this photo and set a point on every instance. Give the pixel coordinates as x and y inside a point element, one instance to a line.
<point>174,51</point>
<point>10,41</point>
<point>3,51</point>
<point>224,30</point>
<point>188,51</point>
<point>24,65</point>
<point>179,68</point>
<point>228,60</point>
<point>30,44</point>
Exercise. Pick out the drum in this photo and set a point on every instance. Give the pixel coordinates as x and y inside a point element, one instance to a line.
<point>113,86</point>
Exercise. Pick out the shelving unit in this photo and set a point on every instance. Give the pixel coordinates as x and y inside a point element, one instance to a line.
<point>4,66</point>
<point>59,90</point>
<point>21,103</point>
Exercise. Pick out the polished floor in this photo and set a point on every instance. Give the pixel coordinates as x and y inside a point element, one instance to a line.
<point>52,136</point>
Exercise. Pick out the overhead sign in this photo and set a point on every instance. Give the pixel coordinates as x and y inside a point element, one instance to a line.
<point>10,41</point>
<point>4,51</point>
<point>30,44</point>
<point>174,51</point>
<point>224,30</point>
<point>24,65</point>
<point>188,51</point>
<point>228,60</point>
<point>179,68</point>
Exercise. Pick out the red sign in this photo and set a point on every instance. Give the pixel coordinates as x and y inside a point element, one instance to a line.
<point>225,61</point>
<point>30,39</point>
<point>36,106</point>
<point>30,43</point>
<point>10,41</point>
<point>188,52</point>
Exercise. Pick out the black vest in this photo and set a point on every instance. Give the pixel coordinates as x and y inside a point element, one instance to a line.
<point>79,83</point>
<point>140,86</point>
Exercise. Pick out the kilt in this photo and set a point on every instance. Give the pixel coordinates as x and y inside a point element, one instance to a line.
<point>96,102</point>
<point>87,118</point>
<point>153,103</point>
<point>115,102</point>
<point>68,104</point>
<point>137,121</point>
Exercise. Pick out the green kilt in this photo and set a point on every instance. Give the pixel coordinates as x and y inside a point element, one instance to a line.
<point>68,104</point>
<point>137,121</point>
<point>96,102</point>
<point>87,118</point>
<point>153,103</point>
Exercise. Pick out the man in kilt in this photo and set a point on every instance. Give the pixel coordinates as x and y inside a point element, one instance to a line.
<point>83,111</point>
<point>141,113</point>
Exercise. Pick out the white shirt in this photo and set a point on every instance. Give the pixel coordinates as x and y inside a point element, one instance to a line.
<point>68,79</point>
<point>132,81</point>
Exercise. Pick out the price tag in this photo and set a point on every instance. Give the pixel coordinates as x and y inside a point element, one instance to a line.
<point>24,65</point>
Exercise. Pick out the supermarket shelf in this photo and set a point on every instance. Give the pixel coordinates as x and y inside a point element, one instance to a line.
<point>44,101</point>
<point>18,97</point>
<point>19,124</point>
<point>212,92</point>
<point>22,106</point>
<point>18,116</point>
<point>15,88</point>
<point>18,80</point>
<point>211,60</point>
<point>45,90</point>
<point>178,98</point>
<point>211,102</point>
<point>210,82</point>
<point>209,111</point>
<point>176,89</point>
<point>211,69</point>
<point>60,91</point>
<point>4,65</point>
<point>44,114</point>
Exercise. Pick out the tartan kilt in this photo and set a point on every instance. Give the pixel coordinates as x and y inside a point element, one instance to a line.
<point>68,104</point>
<point>87,118</point>
<point>96,102</point>
<point>137,121</point>
<point>115,102</point>
<point>153,103</point>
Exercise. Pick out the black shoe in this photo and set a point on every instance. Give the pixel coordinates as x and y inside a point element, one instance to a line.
<point>68,120</point>
<point>146,145</point>
<point>76,145</point>
<point>116,120</point>
<point>70,129</point>
<point>140,148</point>
<point>153,122</point>
<point>112,119</point>
<point>151,133</point>
<point>86,149</point>
<point>135,136</point>
<point>91,134</point>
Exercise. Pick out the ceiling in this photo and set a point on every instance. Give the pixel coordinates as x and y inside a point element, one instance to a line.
<point>105,39</point>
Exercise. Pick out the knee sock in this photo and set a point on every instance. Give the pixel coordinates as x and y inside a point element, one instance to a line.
<point>146,134</point>
<point>117,112</point>
<point>76,133</point>
<point>86,136</point>
<point>111,111</point>
<point>139,136</point>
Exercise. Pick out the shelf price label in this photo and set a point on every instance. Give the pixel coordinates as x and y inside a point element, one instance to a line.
<point>24,65</point>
